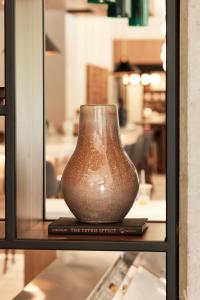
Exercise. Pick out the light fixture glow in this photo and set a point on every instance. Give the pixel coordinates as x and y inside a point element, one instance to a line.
<point>145,79</point>
<point>164,66</point>
<point>125,79</point>
<point>163,29</point>
<point>163,55</point>
<point>155,78</point>
<point>34,291</point>
<point>135,79</point>
<point>147,113</point>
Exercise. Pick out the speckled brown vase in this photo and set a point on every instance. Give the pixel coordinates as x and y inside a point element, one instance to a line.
<point>99,183</point>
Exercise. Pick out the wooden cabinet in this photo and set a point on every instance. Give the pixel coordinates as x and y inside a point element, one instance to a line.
<point>35,261</point>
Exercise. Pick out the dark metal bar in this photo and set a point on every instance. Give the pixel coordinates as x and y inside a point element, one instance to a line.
<point>173,13</point>
<point>2,92</point>
<point>3,111</point>
<point>44,119</point>
<point>171,246</point>
<point>85,245</point>
<point>10,118</point>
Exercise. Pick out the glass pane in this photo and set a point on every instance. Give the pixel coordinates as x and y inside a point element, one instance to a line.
<point>11,261</point>
<point>83,275</point>
<point>2,56</point>
<point>128,276</point>
<point>79,72</point>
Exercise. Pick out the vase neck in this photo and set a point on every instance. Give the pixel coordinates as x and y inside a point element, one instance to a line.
<point>98,124</point>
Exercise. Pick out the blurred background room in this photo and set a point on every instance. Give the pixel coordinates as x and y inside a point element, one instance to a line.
<point>92,56</point>
<point>95,59</point>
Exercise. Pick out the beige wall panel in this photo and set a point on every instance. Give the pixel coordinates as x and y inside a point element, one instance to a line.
<point>97,85</point>
<point>150,54</point>
<point>29,112</point>
<point>35,261</point>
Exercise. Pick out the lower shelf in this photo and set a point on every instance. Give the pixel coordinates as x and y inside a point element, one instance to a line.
<point>154,240</point>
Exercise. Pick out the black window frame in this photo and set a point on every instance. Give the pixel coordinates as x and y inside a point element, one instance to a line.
<point>171,245</point>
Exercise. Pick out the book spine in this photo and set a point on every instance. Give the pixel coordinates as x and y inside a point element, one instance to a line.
<point>103,231</point>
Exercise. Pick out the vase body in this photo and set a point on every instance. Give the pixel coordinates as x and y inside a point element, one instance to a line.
<point>99,183</point>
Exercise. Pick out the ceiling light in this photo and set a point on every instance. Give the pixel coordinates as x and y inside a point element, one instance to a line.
<point>125,79</point>
<point>145,79</point>
<point>139,12</point>
<point>123,66</point>
<point>134,79</point>
<point>155,79</point>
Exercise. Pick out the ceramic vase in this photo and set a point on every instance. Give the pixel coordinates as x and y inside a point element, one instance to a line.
<point>99,183</point>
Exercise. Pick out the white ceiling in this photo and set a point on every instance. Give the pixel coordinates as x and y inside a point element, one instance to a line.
<point>76,5</point>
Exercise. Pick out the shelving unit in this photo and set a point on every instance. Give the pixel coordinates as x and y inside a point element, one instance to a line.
<point>25,226</point>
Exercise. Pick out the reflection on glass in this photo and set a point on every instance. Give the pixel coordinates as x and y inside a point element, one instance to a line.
<point>101,275</point>
<point>128,276</point>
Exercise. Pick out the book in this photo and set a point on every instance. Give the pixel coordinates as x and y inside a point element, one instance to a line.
<point>64,226</point>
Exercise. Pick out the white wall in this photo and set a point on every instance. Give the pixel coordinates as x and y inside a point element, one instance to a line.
<point>135,103</point>
<point>55,69</point>
<point>88,41</point>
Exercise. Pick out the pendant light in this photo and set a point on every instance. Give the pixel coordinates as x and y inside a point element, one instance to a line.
<point>139,12</point>
<point>117,9</point>
<point>135,10</point>
<point>97,1</point>
<point>124,66</point>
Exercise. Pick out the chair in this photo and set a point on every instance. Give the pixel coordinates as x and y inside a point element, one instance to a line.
<point>140,154</point>
<point>136,152</point>
<point>51,182</point>
<point>147,162</point>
